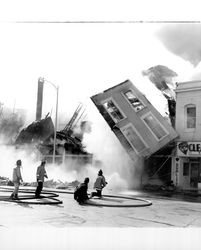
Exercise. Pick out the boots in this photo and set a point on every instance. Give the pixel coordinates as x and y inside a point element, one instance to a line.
<point>16,197</point>
<point>12,196</point>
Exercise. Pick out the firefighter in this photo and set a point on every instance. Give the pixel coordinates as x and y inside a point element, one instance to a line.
<point>99,184</point>
<point>40,176</point>
<point>17,177</point>
<point>80,194</point>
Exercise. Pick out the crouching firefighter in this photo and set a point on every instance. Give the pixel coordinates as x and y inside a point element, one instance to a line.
<point>40,176</point>
<point>99,184</point>
<point>80,193</point>
<point>17,177</point>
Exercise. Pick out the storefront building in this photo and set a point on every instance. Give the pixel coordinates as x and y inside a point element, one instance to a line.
<point>186,162</point>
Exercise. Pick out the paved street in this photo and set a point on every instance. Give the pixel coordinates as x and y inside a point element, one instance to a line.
<point>180,211</point>
<point>71,226</point>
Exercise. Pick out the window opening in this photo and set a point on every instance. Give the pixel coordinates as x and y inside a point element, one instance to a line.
<point>134,101</point>
<point>155,126</point>
<point>191,117</point>
<point>134,138</point>
<point>113,110</point>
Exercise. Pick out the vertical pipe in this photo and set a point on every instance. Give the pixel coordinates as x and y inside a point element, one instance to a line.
<point>39,99</point>
<point>55,129</point>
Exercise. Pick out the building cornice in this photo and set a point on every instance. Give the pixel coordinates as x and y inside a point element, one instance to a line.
<point>188,89</point>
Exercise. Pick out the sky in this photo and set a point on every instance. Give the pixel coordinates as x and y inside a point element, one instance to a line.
<point>83,59</point>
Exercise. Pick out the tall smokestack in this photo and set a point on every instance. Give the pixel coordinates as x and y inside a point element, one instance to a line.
<point>39,99</point>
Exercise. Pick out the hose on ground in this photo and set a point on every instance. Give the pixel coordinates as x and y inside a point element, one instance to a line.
<point>51,195</point>
<point>144,203</point>
<point>22,200</point>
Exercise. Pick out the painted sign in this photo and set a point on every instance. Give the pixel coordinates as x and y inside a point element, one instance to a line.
<point>189,149</point>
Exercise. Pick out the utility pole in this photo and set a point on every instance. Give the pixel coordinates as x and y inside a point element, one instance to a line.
<point>41,81</point>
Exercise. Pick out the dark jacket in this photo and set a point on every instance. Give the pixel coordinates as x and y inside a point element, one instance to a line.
<point>80,194</point>
<point>41,173</point>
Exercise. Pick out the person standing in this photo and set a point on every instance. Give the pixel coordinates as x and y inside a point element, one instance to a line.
<point>17,177</point>
<point>40,176</point>
<point>99,184</point>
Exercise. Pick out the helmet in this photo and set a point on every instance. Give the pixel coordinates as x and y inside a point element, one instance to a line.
<point>100,172</point>
<point>86,180</point>
<point>18,162</point>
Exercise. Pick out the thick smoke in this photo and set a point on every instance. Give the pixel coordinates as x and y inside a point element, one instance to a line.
<point>183,40</point>
<point>108,155</point>
<point>163,79</point>
<point>120,171</point>
<point>8,161</point>
<point>81,129</point>
<point>67,172</point>
<point>10,124</point>
<point>196,76</point>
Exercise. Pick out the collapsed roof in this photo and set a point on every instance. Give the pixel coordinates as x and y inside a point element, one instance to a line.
<point>37,131</point>
<point>41,134</point>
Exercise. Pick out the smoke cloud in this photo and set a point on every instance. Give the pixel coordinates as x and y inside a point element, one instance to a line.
<point>81,129</point>
<point>196,76</point>
<point>183,40</point>
<point>8,161</point>
<point>10,124</point>
<point>163,79</point>
<point>120,171</point>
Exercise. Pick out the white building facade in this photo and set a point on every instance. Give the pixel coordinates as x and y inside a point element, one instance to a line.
<point>186,163</point>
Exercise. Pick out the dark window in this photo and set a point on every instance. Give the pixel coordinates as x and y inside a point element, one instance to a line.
<point>113,111</point>
<point>134,101</point>
<point>191,117</point>
<point>186,169</point>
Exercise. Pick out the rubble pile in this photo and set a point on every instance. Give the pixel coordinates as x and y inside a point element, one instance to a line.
<point>40,134</point>
<point>36,132</point>
<point>3,181</point>
<point>61,185</point>
<point>57,184</point>
<point>169,186</point>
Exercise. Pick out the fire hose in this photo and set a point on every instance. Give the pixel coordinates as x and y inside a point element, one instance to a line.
<point>99,204</point>
<point>51,196</point>
<point>143,204</point>
<point>22,200</point>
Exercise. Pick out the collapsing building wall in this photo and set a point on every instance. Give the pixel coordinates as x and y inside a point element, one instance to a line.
<point>140,128</point>
<point>137,124</point>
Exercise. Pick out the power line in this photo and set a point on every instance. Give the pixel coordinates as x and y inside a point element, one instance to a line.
<point>108,21</point>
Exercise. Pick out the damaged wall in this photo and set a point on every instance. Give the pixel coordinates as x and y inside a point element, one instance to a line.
<point>137,124</point>
<point>36,132</point>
